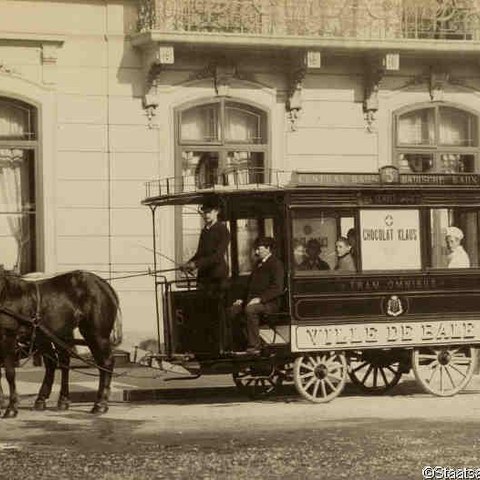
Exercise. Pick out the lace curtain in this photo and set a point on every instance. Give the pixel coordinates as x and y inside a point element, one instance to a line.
<point>14,230</point>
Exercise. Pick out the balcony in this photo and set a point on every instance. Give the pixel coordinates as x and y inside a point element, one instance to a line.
<point>369,20</point>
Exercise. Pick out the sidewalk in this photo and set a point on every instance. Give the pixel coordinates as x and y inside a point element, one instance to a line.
<point>130,383</point>
<point>134,383</point>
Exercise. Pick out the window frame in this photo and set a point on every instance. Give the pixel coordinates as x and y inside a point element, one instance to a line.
<point>436,149</point>
<point>31,148</point>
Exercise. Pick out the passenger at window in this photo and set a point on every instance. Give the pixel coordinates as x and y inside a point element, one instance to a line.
<point>299,255</point>
<point>345,261</point>
<point>352,240</point>
<point>457,256</point>
<point>312,260</point>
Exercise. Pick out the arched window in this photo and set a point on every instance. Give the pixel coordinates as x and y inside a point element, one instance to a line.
<point>222,142</point>
<point>219,138</point>
<point>436,139</point>
<point>18,143</point>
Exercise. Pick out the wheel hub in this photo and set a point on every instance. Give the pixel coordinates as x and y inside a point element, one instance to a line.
<point>321,372</point>
<point>444,357</point>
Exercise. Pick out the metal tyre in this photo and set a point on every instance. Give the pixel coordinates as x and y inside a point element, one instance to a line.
<point>374,372</point>
<point>443,371</point>
<point>320,377</point>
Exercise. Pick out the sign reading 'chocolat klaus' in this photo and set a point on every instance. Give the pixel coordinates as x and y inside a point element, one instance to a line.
<point>384,334</point>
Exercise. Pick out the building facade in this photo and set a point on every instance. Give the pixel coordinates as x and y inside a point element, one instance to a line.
<point>99,96</point>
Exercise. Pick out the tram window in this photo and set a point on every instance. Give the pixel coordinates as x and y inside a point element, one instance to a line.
<point>461,249</point>
<point>248,230</point>
<point>314,238</point>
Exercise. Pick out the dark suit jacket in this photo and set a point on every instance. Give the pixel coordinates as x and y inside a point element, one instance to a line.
<point>211,252</point>
<point>267,281</point>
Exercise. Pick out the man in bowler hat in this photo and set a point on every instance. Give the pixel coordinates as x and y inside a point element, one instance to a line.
<point>263,295</point>
<point>210,257</point>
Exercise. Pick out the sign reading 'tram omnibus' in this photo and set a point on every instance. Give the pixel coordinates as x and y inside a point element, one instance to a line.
<point>390,239</point>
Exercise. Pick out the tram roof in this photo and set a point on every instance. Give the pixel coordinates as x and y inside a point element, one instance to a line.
<point>267,182</point>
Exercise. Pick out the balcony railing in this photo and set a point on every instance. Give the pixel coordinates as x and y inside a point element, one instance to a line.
<point>368,19</point>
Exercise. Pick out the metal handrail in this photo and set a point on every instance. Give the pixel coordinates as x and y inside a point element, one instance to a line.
<point>228,179</point>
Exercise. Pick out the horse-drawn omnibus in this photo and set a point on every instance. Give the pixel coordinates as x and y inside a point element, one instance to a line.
<point>405,304</point>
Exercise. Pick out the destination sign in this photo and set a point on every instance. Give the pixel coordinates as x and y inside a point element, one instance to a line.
<point>346,179</point>
<point>319,337</point>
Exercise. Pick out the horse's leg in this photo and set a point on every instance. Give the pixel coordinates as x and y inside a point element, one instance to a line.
<point>64,397</point>
<point>102,353</point>
<point>2,396</point>
<point>50,363</point>
<point>10,360</point>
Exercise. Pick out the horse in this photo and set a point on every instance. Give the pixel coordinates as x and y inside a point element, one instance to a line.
<point>44,314</point>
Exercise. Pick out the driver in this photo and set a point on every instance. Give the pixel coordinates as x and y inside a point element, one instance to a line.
<point>210,257</point>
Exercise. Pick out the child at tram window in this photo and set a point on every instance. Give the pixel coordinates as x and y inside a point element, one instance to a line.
<point>457,256</point>
<point>345,261</point>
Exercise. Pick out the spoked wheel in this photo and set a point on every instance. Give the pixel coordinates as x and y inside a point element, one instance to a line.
<point>256,382</point>
<point>443,371</point>
<point>374,372</point>
<point>320,377</point>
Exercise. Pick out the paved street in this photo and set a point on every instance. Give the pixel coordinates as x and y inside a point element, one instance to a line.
<point>211,431</point>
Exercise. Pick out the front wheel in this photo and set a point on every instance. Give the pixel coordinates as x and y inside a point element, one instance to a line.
<point>443,371</point>
<point>320,377</point>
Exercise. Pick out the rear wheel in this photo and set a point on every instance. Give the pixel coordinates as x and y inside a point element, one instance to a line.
<point>443,371</point>
<point>320,377</point>
<point>374,372</point>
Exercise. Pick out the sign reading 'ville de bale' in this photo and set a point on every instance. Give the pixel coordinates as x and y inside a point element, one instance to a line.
<point>390,239</point>
<point>385,334</point>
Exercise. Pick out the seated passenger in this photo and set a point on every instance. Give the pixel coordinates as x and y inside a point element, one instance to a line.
<point>345,262</point>
<point>299,255</point>
<point>312,259</point>
<point>263,294</point>
<point>457,256</point>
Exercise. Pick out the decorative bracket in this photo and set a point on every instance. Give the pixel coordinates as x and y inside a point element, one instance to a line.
<point>438,78</point>
<point>154,60</point>
<point>374,72</point>
<point>223,73</point>
<point>299,66</point>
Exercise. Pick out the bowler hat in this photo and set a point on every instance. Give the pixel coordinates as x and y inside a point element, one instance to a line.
<point>210,204</point>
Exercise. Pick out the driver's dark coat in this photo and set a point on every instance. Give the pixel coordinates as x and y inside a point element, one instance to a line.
<point>210,257</point>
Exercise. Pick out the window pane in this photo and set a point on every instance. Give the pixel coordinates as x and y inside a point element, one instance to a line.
<point>417,128</point>
<point>243,124</point>
<point>247,232</point>
<point>456,163</point>
<point>415,162</point>
<point>315,241</point>
<point>390,239</point>
<point>454,247</point>
<point>199,170</point>
<point>200,124</point>
<point>457,128</point>
<point>244,168</point>
<point>16,121</point>
<point>17,210</point>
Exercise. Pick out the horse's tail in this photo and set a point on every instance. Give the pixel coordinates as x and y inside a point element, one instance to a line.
<point>116,335</point>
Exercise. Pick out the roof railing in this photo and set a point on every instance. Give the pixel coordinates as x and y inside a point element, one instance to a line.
<point>229,179</point>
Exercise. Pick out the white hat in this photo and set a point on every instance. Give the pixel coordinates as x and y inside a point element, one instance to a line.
<point>454,232</point>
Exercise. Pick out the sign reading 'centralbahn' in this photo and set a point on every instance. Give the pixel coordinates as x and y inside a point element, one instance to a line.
<point>319,337</point>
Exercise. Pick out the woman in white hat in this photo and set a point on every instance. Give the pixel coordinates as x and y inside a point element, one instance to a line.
<point>457,256</point>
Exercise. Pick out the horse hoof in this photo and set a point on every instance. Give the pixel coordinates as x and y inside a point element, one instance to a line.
<point>63,405</point>
<point>40,405</point>
<point>10,413</point>
<point>98,409</point>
